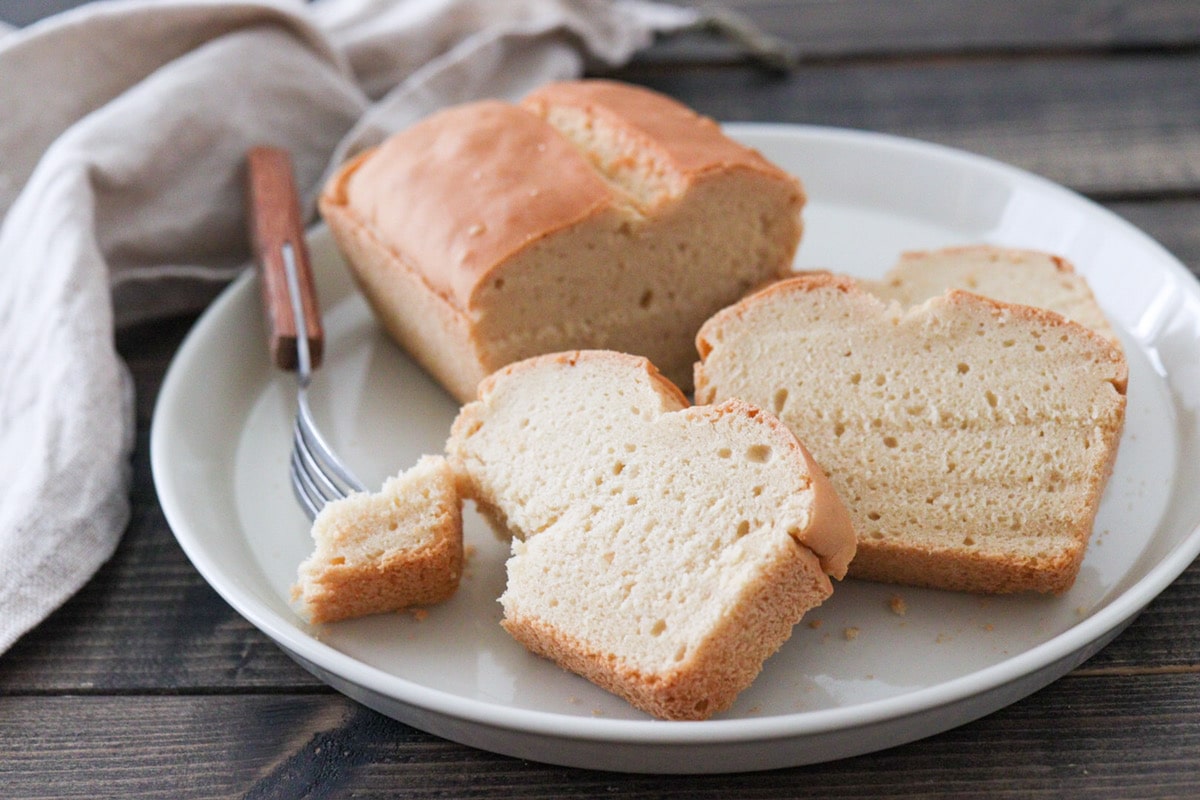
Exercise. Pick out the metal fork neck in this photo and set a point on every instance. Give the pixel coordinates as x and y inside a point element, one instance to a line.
<point>303,357</point>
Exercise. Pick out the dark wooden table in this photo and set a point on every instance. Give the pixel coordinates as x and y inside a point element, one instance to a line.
<point>147,684</point>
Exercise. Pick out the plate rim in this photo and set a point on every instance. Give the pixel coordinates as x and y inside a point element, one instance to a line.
<point>1105,622</point>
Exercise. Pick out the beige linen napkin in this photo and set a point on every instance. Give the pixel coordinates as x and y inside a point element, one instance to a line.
<point>123,132</point>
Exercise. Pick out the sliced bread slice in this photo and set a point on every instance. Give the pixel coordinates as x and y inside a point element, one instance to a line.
<point>971,439</point>
<point>384,551</point>
<point>1011,275</point>
<point>661,551</point>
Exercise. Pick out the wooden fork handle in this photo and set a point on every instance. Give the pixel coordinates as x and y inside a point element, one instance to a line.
<point>273,215</point>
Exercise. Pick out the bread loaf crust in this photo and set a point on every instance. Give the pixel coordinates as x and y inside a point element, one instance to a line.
<point>481,181</point>
<point>593,215</point>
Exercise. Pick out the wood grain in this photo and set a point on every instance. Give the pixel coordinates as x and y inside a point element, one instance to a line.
<point>289,293</point>
<point>1081,737</point>
<point>1112,128</point>
<point>821,30</point>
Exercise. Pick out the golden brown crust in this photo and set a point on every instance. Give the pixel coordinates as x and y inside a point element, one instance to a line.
<point>892,562</point>
<point>485,234</point>
<point>432,329</point>
<point>719,668</point>
<point>693,144</point>
<point>401,580</point>
<point>464,189</point>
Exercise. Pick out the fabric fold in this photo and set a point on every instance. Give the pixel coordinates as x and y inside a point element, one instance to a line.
<point>121,199</point>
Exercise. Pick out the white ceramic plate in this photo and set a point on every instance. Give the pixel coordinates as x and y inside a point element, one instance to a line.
<point>862,679</point>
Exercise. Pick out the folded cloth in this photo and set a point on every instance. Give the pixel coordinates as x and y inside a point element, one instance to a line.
<point>121,153</point>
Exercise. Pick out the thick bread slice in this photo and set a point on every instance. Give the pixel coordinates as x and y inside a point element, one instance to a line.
<point>1011,275</point>
<point>382,552</point>
<point>663,551</point>
<point>594,214</point>
<point>971,439</point>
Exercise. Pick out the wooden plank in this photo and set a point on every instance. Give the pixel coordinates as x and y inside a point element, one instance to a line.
<point>1081,737</point>
<point>1175,224</point>
<point>856,28</point>
<point>25,12</point>
<point>1114,128</point>
<point>877,29</point>
<point>1165,637</point>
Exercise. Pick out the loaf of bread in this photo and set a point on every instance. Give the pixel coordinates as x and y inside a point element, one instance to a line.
<point>592,215</point>
<point>661,551</point>
<point>379,552</point>
<point>1027,277</point>
<point>971,439</point>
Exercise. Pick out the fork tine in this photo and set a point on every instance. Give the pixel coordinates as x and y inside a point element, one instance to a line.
<point>317,483</point>
<point>304,489</point>
<point>331,469</point>
<point>318,475</point>
<point>310,481</point>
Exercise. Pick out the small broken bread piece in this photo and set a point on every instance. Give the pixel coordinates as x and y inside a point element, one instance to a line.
<point>661,550</point>
<point>1011,275</point>
<point>384,551</point>
<point>970,439</point>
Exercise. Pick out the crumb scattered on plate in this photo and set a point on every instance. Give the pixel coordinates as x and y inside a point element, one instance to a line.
<point>897,605</point>
<point>850,633</point>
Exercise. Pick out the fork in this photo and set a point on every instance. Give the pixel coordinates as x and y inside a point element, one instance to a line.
<point>296,339</point>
